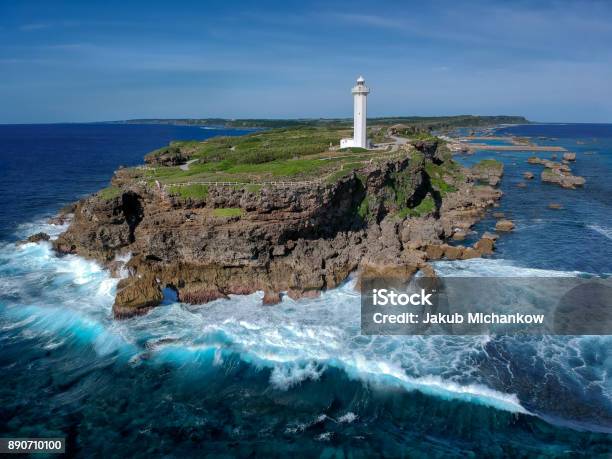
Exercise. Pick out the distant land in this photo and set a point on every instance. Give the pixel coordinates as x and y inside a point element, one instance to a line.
<point>427,122</point>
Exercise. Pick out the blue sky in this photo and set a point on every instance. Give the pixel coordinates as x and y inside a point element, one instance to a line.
<point>89,61</point>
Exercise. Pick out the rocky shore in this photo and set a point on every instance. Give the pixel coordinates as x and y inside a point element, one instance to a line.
<point>384,219</point>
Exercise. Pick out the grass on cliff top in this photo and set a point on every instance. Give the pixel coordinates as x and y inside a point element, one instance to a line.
<point>353,149</point>
<point>276,155</point>
<point>109,193</point>
<point>189,191</point>
<point>265,146</point>
<point>228,212</point>
<point>343,171</point>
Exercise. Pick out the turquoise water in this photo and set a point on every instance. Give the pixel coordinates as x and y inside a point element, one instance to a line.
<point>235,378</point>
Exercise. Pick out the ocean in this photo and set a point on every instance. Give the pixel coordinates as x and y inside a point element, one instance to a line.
<point>233,378</point>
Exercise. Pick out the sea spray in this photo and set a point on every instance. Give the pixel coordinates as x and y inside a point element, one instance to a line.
<point>297,341</point>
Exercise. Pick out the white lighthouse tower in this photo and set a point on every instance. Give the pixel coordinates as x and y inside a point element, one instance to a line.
<point>360,132</point>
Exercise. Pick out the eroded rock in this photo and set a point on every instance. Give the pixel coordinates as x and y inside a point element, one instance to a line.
<point>563,179</point>
<point>485,245</point>
<point>569,156</point>
<point>136,295</point>
<point>38,237</point>
<point>504,225</point>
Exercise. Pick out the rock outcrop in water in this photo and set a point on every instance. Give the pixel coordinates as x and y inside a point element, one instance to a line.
<point>559,173</point>
<point>563,179</point>
<point>504,225</point>
<point>385,219</point>
<point>569,156</point>
<point>38,237</point>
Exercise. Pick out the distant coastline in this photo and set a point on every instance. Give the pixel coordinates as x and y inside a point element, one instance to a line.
<point>431,122</point>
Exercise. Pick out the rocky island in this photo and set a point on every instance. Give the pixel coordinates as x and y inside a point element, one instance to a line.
<point>279,211</point>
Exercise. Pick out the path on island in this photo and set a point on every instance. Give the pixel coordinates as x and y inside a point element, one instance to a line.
<point>185,167</point>
<point>398,142</point>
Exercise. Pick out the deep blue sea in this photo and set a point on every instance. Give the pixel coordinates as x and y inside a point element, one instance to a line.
<point>233,378</point>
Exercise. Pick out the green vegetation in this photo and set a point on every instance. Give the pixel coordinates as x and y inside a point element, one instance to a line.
<point>378,134</point>
<point>413,132</point>
<point>261,156</point>
<point>251,188</point>
<point>426,206</point>
<point>259,147</point>
<point>189,191</point>
<point>399,189</point>
<point>364,210</point>
<point>442,176</point>
<point>282,168</point>
<point>302,153</point>
<point>425,136</point>
<point>347,169</point>
<point>169,152</point>
<point>110,192</point>
<point>228,212</point>
<point>353,149</point>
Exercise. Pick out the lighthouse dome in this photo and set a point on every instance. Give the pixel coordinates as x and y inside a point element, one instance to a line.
<point>360,79</point>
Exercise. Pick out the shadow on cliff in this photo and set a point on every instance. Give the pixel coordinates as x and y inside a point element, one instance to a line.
<point>421,192</point>
<point>133,212</point>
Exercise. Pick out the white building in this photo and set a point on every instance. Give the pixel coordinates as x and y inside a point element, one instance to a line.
<point>360,132</point>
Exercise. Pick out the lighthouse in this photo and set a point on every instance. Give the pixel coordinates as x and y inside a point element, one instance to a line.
<point>360,132</point>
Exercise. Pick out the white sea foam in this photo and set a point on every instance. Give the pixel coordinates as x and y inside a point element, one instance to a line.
<point>57,296</point>
<point>287,376</point>
<point>348,418</point>
<point>481,267</point>
<point>42,225</point>
<point>297,341</point>
<point>123,259</point>
<point>603,230</point>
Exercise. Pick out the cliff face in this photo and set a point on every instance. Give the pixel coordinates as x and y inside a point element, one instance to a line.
<point>380,219</point>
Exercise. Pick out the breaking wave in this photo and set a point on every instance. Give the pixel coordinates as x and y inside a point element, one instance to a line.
<point>68,300</point>
<point>604,231</point>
